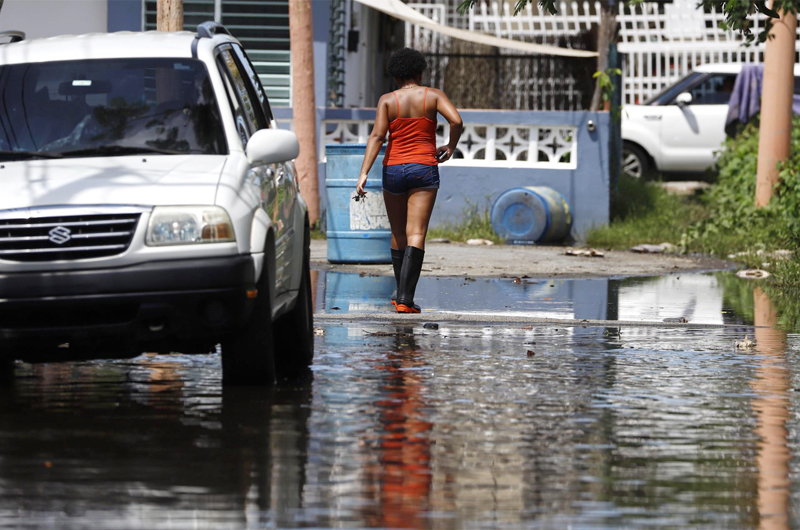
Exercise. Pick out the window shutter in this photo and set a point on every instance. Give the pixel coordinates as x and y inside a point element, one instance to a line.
<point>262,26</point>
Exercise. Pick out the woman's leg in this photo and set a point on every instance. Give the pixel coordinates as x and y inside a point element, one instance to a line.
<point>396,208</point>
<point>420,207</point>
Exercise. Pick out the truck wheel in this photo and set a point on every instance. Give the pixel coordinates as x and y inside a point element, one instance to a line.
<point>635,162</point>
<point>247,354</point>
<point>294,331</point>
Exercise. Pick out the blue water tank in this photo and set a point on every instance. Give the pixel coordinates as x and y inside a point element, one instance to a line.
<point>358,231</point>
<point>535,214</point>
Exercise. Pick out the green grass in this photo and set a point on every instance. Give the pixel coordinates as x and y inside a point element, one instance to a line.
<point>475,224</point>
<point>643,212</point>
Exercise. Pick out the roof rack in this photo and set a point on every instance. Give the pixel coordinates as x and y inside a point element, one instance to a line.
<point>207,30</point>
<point>13,36</point>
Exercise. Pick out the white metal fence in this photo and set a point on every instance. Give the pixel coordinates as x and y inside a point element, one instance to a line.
<point>661,42</point>
<point>525,82</point>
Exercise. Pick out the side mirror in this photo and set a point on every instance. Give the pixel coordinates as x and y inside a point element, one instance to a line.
<point>683,99</point>
<point>269,146</point>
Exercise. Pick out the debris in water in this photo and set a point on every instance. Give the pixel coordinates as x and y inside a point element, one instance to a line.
<point>319,332</point>
<point>430,325</point>
<point>531,353</point>
<point>745,344</point>
<point>753,274</point>
<point>655,249</point>
<point>469,279</point>
<point>585,252</point>
<point>678,320</point>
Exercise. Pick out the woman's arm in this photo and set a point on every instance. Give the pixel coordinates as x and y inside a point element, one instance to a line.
<point>448,110</point>
<point>374,143</point>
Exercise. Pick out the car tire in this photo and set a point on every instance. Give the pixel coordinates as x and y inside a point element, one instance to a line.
<point>635,161</point>
<point>294,331</point>
<point>248,354</point>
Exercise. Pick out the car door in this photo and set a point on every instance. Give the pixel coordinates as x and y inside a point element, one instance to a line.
<point>266,181</point>
<point>692,134</point>
<point>285,176</point>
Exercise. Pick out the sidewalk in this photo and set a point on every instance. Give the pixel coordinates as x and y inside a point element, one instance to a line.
<point>458,259</point>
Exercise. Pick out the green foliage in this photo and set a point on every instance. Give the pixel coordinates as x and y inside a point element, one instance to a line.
<point>643,212</point>
<point>476,223</point>
<point>734,223</point>
<point>605,83</point>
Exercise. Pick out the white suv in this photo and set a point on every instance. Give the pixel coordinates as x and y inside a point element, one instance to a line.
<point>682,128</point>
<point>148,202</point>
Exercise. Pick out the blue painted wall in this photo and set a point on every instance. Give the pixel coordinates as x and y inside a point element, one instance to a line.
<point>124,15</point>
<point>586,187</point>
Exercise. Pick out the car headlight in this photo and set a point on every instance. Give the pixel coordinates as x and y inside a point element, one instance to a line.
<point>186,225</point>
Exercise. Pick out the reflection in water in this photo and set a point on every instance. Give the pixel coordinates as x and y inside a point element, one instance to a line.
<point>772,384</point>
<point>401,472</point>
<point>111,444</point>
<point>404,426</point>
<point>697,298</point>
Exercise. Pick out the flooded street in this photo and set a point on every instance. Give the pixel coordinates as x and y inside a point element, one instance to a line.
<point>464,426</point>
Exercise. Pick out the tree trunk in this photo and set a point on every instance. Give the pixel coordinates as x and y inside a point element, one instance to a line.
<point>606,34</point>
<point>776,105</point>
<point>169,15</point>
<point>304,117</point>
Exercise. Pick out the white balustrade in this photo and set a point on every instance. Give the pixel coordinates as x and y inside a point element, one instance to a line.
<point>481,145</point>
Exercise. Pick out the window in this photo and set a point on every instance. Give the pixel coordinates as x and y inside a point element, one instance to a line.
<point>249,114</point>
<point>715,90</point>
<point>110,106</point>
<point>256,85</point>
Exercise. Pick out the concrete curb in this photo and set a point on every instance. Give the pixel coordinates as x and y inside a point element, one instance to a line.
<point>468,318</point>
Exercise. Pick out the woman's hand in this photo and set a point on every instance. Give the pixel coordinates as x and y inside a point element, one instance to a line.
<point>444,153</point>
<point>362,181</point>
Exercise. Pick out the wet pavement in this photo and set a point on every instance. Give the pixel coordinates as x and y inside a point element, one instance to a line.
<point>464,426</point>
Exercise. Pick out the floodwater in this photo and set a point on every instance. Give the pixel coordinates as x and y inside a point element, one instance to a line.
<point>463,426</point>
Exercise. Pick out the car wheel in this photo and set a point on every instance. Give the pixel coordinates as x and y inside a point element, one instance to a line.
<point>294,331</point>
<point>635,162</point>
<point>247,354</point>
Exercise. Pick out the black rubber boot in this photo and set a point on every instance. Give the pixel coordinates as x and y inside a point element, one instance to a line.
<point>397,263</point>
<point>409,275</point>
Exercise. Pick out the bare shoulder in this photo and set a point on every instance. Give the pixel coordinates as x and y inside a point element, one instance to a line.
<point>436,92</point>
<point>385,98</point>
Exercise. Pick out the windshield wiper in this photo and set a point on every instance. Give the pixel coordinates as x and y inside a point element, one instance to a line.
<point>115,150</point>
<point>26,155</point>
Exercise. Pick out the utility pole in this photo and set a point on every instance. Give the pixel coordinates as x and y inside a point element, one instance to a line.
<point>304,112</point>
<point>776,105</point>
<point>169,15</point>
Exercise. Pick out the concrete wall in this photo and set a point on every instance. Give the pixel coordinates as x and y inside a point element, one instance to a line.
<point>586,187</point>
<point>47,18</point>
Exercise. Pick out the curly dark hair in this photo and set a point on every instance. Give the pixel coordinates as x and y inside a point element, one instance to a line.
<point>406,63</point>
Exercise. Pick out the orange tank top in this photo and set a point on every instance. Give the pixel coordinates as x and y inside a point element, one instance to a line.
<point>411,140</point>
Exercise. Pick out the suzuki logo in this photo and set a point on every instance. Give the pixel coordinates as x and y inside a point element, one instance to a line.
<point>60,235</point>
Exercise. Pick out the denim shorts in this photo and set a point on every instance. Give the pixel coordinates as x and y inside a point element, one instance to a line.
<point>402,178</point>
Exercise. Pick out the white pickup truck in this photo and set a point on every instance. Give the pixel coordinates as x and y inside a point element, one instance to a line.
<point>681,128</point>
<point>148,202</point>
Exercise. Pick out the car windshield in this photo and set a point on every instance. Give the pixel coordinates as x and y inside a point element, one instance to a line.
<point>108,107</point>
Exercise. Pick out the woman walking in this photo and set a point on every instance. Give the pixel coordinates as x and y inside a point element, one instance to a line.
<point>410,172</point>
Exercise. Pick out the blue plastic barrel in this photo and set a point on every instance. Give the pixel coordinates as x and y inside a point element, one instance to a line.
<point>358,231</point>
<point>535,214</point>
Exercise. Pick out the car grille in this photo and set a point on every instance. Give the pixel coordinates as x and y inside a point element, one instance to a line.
<point>67,237</point>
